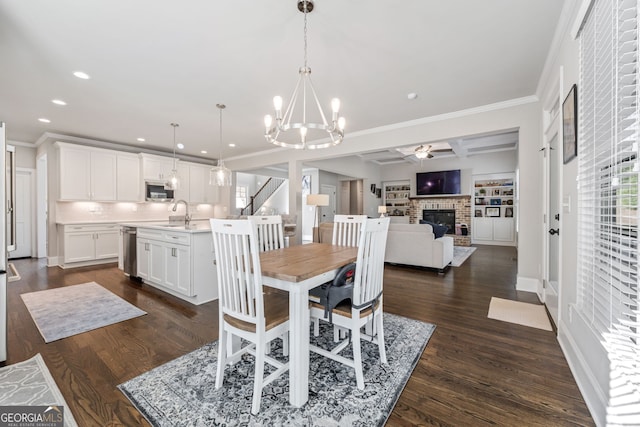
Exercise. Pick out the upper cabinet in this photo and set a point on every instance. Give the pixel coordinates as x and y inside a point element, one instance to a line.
<point>156,168</point>
<point>96,174</point>
<point>87,173</point>
<point>199,189</point>
<point>128,183</point>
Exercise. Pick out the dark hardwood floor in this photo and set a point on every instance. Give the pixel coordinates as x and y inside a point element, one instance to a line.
<point>474,371</point>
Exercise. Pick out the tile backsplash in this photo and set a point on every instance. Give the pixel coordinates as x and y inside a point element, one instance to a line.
<point>96,211</point>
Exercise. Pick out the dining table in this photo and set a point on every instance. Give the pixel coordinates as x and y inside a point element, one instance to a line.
<point>296,270</point>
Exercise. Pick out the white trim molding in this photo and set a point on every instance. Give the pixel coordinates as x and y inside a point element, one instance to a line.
<point>528,284</point>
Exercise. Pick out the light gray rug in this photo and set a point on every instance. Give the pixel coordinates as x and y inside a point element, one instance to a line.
<point>182,392</point>
<point>29,383</point>
<point>460,254</point>
<point>63,312</point>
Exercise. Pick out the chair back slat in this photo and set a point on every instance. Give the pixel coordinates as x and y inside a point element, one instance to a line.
<point>238,269</point>
<point>346,229</point>
<point>269,230</point>
<point>367,284</point>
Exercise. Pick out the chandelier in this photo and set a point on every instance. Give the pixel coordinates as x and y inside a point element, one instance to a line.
<point>275,129</point>
<point>220,175</point>
<point>173,182</point>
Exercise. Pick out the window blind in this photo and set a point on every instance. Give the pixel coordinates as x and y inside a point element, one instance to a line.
<point>608,195</point>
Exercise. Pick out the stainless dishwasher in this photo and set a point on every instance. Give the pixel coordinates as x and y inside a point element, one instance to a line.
<point>129,251</point>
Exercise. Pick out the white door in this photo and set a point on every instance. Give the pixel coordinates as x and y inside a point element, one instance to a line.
<point>23,213</point>
<point>327,212</point>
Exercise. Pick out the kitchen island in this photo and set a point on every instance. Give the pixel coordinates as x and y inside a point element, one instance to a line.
<point>177,259</point>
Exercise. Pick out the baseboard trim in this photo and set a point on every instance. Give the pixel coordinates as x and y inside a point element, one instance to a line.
<point>592,394</point>
<point>528,284</point>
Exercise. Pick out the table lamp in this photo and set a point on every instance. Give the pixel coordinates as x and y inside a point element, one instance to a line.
<point>318,200</point>
<point>382,210</point>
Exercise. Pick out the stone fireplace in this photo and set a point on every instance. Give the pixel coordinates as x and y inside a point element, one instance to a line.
<point>461,205</point>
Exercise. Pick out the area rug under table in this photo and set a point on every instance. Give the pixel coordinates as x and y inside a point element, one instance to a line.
<point>63,312</point>
<point>182,392</point>
<point>29,383</point>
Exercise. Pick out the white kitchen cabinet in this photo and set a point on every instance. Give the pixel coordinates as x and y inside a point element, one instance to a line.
<point>89,244</point>
<point>143,256</point>
<point>87,173</point>
<point>182,192</point>
<point>167,259</point>
<point>178,268</point>
<point>178,262</point>
<point>128,183</point>
<point>199,189</point>
<point>156,168</point>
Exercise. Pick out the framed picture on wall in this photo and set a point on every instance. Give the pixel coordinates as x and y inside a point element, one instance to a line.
<point>570,126</point>
<point>492,212</point>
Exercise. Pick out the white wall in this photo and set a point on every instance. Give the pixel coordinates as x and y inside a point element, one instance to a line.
<point>585,354</point>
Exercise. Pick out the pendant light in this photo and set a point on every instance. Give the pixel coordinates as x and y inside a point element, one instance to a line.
<point>173,182</point>
<point>219,175</point>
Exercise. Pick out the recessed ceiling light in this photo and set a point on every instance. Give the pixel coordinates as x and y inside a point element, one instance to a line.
<point>203,151</point>
<point>180,145</point>
<point>43,120</point>
<point>232,145</point>
<point>81,75</point>
<point>412,95</point>
<point>58,102</point>
<point>141,140</point>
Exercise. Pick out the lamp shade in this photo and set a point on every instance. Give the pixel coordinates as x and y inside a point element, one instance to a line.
<point>382,209</point>
<point>318,200</point>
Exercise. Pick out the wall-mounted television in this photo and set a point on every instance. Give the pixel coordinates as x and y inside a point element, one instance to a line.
<point>435,183</point>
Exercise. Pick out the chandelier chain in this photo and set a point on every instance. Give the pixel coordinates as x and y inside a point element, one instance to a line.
<point>305,35</point>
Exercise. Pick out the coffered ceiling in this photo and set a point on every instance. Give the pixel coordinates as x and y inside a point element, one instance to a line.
<point>154,62</point>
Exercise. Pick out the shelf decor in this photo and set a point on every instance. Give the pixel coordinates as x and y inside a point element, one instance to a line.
<point>492,212</point>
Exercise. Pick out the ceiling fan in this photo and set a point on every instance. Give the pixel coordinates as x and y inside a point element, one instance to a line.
<point>425,152</point>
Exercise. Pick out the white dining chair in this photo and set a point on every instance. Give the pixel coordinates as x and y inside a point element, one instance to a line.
<point>245,311</point>
<point>366,302</point>
<point>346,232</point>
<point>269,230</point>
<point>346,229</point>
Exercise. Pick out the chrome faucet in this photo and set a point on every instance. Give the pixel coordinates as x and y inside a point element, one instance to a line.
<point>187,216</point>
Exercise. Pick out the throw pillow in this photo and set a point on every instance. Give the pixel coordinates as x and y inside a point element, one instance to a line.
<point>438,230</point>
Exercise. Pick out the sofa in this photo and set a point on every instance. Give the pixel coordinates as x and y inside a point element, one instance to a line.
<point>415,244</point>
<point>408,244</point>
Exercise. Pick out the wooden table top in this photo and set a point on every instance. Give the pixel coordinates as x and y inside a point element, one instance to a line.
<point>300,262</point>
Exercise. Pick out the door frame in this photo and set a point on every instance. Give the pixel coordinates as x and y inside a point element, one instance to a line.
<point>552,128</point>
<point>30,217</point>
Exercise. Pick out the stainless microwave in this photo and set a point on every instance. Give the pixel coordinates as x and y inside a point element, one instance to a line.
<point>155,192</point>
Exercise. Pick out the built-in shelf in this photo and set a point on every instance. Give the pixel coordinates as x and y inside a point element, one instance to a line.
<point>396,197</point>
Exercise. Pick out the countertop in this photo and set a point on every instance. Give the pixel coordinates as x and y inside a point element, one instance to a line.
<point>200,225</point>
<point>195,226</point>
